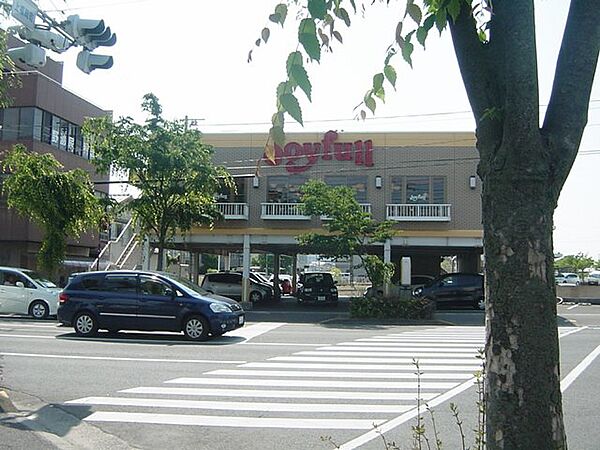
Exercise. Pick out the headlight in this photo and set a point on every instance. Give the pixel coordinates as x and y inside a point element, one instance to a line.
<point>307,289</point>
<point>334,289</point>
<point>220,308</point>
<point>418,291</point>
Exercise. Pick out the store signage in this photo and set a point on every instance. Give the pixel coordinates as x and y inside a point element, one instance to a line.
<point>299,157</point>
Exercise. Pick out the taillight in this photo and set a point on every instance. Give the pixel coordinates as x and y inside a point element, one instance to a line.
<point>62,297</point>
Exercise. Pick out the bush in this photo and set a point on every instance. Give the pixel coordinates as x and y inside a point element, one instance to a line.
<point>391,308</point>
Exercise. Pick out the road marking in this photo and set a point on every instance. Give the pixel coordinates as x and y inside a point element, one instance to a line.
<point>251,331</point>
<point>573,307</point>
<point>242,406</point>
<point>315,374</point>
<point>316,383</point>
<point>114,358</point>
<point>415,355</point>
<point>28,336</point>
<point>562,334</point>
<point>256,393</point>
<point>28,325</point>
<point>413,339</point>
<point>235,421</point>
<point>573,374</point>
<point>424,350</point>
<point>474,346</point>
<point>371,360</point>
<point>424,367</point>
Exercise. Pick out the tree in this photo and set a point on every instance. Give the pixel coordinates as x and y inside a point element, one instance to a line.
<point>577,263</point>
<point>350,231</point>
<point>61,203</point>
<point>169,165</point>
<point>522,167</point>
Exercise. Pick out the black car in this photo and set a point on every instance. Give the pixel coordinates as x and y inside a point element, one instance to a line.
<point>454,289</point>
<point>317,287</point>
<point>134,300</point>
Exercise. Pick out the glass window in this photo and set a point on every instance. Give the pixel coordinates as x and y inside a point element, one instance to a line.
<point>26,123</point>
<point>10,124</point>
<point>120,283</point>
<point>237,194</point>
<point>357,183</point>
<point>37,124</point>
<point>417,190</point>
<point>47,127</point>
<point>71,138</point>
<point>64,133</point>
<point>55,131</point>
<point>438,189</point>
<point>397,186</point>
<point>154,286</point>
<point>285,189</point>
<point>79,142</point>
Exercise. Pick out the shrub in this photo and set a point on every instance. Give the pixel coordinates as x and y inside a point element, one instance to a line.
<point>391,308</point>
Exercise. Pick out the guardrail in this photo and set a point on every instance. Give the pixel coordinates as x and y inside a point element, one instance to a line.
<point>418,212</point>
<point>283,211</point>
<point>234,211</point>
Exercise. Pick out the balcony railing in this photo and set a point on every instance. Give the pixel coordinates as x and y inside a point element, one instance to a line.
<point>366,208</point>
<point>283,211</point>
<point>234,211</point>
<point>418,212</point>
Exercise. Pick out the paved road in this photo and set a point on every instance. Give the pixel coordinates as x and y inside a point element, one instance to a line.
<point>269,385</point>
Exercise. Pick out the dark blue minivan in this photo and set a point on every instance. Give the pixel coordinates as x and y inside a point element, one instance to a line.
<point>135,300</point>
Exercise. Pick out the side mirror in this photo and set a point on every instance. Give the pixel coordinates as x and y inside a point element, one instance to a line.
<point>19,284</point>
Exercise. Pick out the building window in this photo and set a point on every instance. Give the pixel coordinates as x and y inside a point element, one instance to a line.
<point>357,182</point>
<point>285,189</point>
<point>46,127</point>
<point>37,124</point>
<point>55,131</point>
<point>418,189</point>
<point>236,194</point>
<point>73,129</point>
<point>25,123</point>
<point>63,134</point>
<point>10,124</point>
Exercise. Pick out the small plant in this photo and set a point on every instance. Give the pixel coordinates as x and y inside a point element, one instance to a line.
<point>391,308</point>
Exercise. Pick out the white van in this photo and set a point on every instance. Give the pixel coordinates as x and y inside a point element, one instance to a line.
<point>23,291</point>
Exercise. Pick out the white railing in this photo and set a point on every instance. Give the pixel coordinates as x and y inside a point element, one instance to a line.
<point>284,211</point>
<point>366,208</point>
<point>234,210</point>
<point>114,250</point>
<point>418,212</point>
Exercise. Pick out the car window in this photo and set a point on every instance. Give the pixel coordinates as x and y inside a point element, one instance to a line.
<point>11,278</point>
<point>217,277</point>
<point>318,278</point>
<point>154,286</point>
<point>120,283</point>
<point>232,278</point>
<point>40,279</point>
<point>452,280</point>
<point>89,283</point>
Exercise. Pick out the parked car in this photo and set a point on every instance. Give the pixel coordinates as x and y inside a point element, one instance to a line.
<point>593,278</point>
<point>24,291</point>
<point>454,289</point>
<point>135,300</point>
<point>395,288</point>
<point>229,284</point>
<point>317,287</point>
<point>567,278</point>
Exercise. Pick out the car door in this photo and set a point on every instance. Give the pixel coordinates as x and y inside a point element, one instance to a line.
<point>159,306</point>
<point>446,291</point>
<point>14,298</point>
<point>117,301</point>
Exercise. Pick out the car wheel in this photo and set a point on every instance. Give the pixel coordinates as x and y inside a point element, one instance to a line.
<point>196,328</point>
<point>85,324</point>
<point>255,297</point>
<point>39,309</point>
<point>480,304</point>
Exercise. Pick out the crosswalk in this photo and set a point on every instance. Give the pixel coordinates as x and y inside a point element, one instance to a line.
<point>351,385</point>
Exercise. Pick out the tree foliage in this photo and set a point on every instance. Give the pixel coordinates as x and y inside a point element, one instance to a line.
<point>522,166</point>
<point>577,263</point>
<point>170,166</point>
<point>350,231</point>
<point>61,202</point>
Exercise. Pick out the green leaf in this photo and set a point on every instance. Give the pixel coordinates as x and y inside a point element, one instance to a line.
<point>281,10</point>
<point>370,102</point>
<point>399,38</point>
<point>278,119</point>
<point>422,35</point>
<point>282,88</point>
<point>294,59</point>
<point>363,114</point>
<point>299,76</point>
<point>454,9</point>
<point>380,93</point>
<point>277,134</point>
<point>390,74</point>
<point>257,42</point>
<point>265,34</point>
<point>441,20</point>
<point>377,81</point>
<point>343,14</point>
<point>338,36</point>
<point>275,18</point>
<point>307,36</point>
<point>414,12</point>
<point>290,104</point>
<point>317,8</point>
<point>391,53</point>
<point>407,52</point>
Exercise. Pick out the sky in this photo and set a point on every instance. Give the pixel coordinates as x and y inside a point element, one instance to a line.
<point>193,56</point>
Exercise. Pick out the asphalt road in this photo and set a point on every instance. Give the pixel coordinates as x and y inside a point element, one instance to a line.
<point>289,379</point>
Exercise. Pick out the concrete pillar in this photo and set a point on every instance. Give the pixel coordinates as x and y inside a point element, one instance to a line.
<point>246,270</point>
<point>227,261</point>
<point>146,254</point>
<point>294,273</point>
<point>195,267</point>
<point>276,263</point>
<point>387,258</point>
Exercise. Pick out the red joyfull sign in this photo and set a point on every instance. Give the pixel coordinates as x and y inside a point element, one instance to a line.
<point>300,157</point>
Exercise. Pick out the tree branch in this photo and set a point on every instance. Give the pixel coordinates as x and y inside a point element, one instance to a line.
<point>567,113</point>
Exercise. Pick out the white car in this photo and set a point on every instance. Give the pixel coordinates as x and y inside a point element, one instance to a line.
<point>593,278</point>
<point>23,291</point>
<point>567,278</point>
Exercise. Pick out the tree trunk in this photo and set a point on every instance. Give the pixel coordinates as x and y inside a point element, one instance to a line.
<point>523,399</point>
<point>161,254</point>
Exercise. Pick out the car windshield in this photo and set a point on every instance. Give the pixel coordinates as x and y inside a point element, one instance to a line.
<point>40,279</point>
<point>185,285</point>
<point>318,278</point>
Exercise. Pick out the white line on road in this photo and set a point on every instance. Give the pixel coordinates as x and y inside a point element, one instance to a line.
<point>423,367</point>
<point>113,358</point>
<point>418,339</point>
<point>572,331</point>
<point>412,344</point>
<point>251,331</point>
<point>573,307</point>
<point>316,383</point>
<point>271,393</point>
<point>242,406</point>
<point>573,374</point>
<point>399,349</point>
<point>315,374</point>
<point>371,360</point>
<point>236,421</point>
<point>28,336</point>
<point>415,355</point>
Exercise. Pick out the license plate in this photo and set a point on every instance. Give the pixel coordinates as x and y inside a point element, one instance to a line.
<point>321,298</point>
<point>241,320</point>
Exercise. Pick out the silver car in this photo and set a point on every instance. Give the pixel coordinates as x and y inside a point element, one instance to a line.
<point>229,284</point>
<point>23,291</point>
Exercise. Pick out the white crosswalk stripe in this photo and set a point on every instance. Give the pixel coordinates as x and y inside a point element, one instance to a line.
<point>351,385</point>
